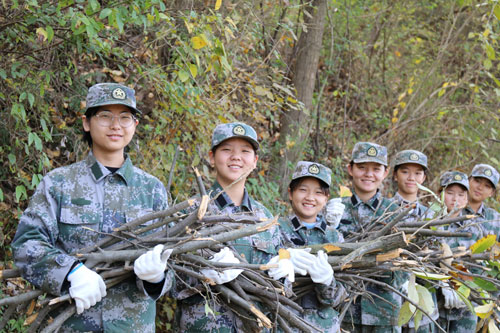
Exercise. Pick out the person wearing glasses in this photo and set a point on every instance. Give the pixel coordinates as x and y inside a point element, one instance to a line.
<point>76,205</point>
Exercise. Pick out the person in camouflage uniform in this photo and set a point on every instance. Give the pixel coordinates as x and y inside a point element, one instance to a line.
<point>308,193</point>
<point>233,155</point>
<point>75,206</point>
<point>483,182</point>
<point>409,169</point>
<point>454,316</point>
<point>368,168</point>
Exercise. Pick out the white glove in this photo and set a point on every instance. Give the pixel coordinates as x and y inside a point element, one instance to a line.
<point>227,256</point>
<point>404,287</point>
<point>151,265</point>
<point>87,288</point>
<point>451,299</point>
<point>301,260</point>
<point>321,271</point>
<point>284,269</point>
<point>334,211</point>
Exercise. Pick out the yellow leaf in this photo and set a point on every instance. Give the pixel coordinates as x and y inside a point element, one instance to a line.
<point>344,191</point>
<point>484,311</point>
<point>30,319</point>
<point>445,84</point>
<point>394,120</point>
<point>395,112</point>
<point>41,32</point>
<point>483,244</point>
<point>193,69</point>
<point>261,91</point>
<point>403,104</point>
<point>189,26</point>
<point>431,276</point>
<point>198,42</point>
<point>397,53</point>
<point>401,96</point>
<point>410,91</point>
<point>418,61</point>
<point>218,3</point>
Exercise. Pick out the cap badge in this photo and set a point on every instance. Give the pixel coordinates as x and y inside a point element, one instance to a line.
<point>457,177</point>
<point>413,157</point>
<point>372,152</point>
<point>118,93</point>
<point>487,172</point>
<point>239,130</point>
<point>313,169</point>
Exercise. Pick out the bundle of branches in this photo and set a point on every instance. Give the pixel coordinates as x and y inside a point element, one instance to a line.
<point>387,245</point>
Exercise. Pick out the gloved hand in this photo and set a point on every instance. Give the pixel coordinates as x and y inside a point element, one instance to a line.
<point>285,266</point>
<point>404,287</point>
<point>334,211</point>
<point>301,260</point>
<point>87,287</point>
<point>321,271</point>
<point>451,299</point>
<point>227,256</point>
<point>151,265</point>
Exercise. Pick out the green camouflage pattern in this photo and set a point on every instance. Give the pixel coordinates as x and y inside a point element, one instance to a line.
<point>255,249</point>
<point>419,213</point>
<point>320,303</point>
<point>454,177</point>
<point>234,130</point>
<point>68,202</point>
<point>313,169</point>
<point>486,171</point>
<point>383,314</point>
<point>111,93</point>
<point>411,156</point>
<point>369,152</point>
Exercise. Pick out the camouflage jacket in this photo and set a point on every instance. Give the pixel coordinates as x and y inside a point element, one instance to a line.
<point>67,203</point>
<point>489,216</point>
<point>372,311</point>
<point>191,315</point>
<point>319,304</point>
<point>420,211</point>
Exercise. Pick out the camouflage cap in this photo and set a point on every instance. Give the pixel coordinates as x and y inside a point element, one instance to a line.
<point>454,177</point>
<point>369,152</point>
<point>234,130</point>
<point>111,93</point>
<point>410,156</point>
<point>486,171</point>
<point>312,169</point>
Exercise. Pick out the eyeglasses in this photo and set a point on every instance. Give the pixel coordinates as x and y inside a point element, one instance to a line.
<point>106,118</point>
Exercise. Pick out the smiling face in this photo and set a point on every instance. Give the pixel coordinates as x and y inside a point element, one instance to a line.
<point>407,177</point>
<point>455,195</point>
<point>366,178</point>
<point>480,189</point>
<point>231,159</point>
<point>308,198</point>
<point>111,139</point>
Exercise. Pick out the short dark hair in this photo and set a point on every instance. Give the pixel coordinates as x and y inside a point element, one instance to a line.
<point>214,148</point>
<point>395,170</point>
<point>89,114</point>
<point>294,184</point>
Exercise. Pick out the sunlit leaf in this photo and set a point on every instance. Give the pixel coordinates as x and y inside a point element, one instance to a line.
<point>344,191</point>
<point>198,42</point>
<point>41,32</point>
<point>193,69</point>
<point>412,293</point>
<point>404,314</point>
<point>432,276</point>
<point>484,311</point>
<point>485,285</point>
<point>492,327</point>
<point>218,3</point>
<point>483,244</point>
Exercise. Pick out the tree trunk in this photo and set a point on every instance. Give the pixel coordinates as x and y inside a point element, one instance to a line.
<point>296,123</point>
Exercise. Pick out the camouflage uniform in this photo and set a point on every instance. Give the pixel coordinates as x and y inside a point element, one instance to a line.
<point>319,304</point>
<point>259,248</point>
<point>458,320</point>
<point>492,226</point>
<point>419,213</point>
<point>66,202</point>
<point>371,314</point>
